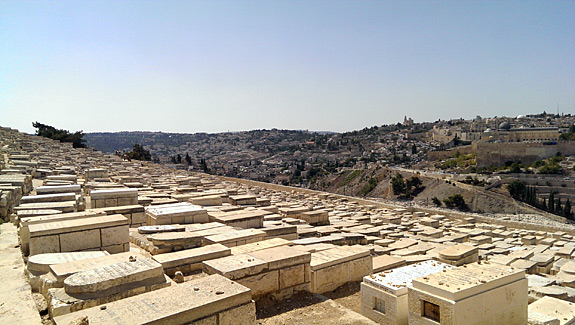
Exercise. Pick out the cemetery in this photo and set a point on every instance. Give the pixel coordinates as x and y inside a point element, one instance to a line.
<point>98,239</point>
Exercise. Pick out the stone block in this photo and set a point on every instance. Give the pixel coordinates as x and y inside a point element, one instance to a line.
<point>262,283</point>
<point>115,235</point>
<point>281,257</point>
<point>291,276</point>
<point>80,240</point>
<point>236,266</point>
<point>244,314</point>
<point>44,244</point>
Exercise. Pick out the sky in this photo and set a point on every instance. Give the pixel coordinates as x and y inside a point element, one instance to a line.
<point>218,66</point>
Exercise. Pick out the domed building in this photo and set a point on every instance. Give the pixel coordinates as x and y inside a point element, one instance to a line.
<point>504,126</point>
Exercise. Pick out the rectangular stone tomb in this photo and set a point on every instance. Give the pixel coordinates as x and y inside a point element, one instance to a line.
<point>66,206</point>
<point>24,222</point>
<point>236,238</point>
<point>315,218</point>
<point>135,213</point>
<point>176,213</point>
<point>142,235</point>
<point>334,267</point>
<point>166,242</point>
<point>109,233</point>
<point>59,189</point>
<point>384,294</point>
<point>189,260</point>
<point>113,198</point>
<point>209,300</point>
<point>278,271</point>
<point>60,197</point>
<point>243,199</point>
<point>257,246</point>
<point>283,231</point>
<point>207,200</point>
<point>241,218</point>
<point>106,284</point>
<point>39,265</point>
<point>459,254</point>
<point>473,294</point>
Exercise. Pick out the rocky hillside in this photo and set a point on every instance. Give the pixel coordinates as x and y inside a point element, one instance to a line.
<point>376,183</point>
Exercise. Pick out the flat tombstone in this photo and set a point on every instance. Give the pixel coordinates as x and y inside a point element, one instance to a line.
<point>236,266</point>
<point>158,229</point>
<point>63,270</point>
<point>397,280</point>
<point>457,252</point>
<point>40,264</point>
<point>283,256</point>
<point>205,297</point>
<point>105,278</point>
<point>176,238</point>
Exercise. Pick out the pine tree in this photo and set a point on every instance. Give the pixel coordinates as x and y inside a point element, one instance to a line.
<point>567,210</point>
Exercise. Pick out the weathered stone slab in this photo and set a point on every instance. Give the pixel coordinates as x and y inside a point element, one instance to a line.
<point>40,264</point>
<point>63,270</point>
<point>397,280</point>
<point>66,206</point>
<point>102,281</point>
<point>236,266</point>
<point>159,229</point>
<point>58,227</point>
<point>462,282</point>
<point>236,238</point>
<point>281,257</point>
<point>59,189</point>
<point>115,193</point>
<point>194,256</point>
<point>179,213</point>
<point>179,238</point>
<point>337,255</point>
<point>264,244</point>
<point>48,198</point>
<point>548,309</point>
<point>206,296</point>
<point>386,262</point>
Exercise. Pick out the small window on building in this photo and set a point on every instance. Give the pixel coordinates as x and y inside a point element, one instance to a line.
<point>431,311</point>
<point>379,305</point>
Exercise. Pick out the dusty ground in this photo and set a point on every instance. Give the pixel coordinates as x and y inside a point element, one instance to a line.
<point>308,308</point>
<point>341,306</point>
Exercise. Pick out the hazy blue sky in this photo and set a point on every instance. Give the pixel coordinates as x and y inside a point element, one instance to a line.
<point>191,66</point>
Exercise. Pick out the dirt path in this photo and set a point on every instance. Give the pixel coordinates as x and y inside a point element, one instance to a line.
<point>16,303</point>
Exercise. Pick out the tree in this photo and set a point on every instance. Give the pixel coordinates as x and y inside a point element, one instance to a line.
<point>414,149</point>
<point>398,185</point>
<point>204,166</point>
<point>567,210</point>
<point>516,189</point>
<point>413,182</point>
<point>139,153</point>
<point>178,159</point>
<point>188,159</point>
<point>47,131</point>
<point>436,201</point>
<point>455,201</point>
<point>551,202</point>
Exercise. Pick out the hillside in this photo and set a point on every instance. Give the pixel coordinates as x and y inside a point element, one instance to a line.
<point>355,182</point>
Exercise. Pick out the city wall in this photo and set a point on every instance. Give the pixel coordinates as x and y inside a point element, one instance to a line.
<point>499,153</point>
<point>445,154</point>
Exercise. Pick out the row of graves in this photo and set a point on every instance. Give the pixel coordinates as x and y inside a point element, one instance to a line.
<point>112,241</point>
